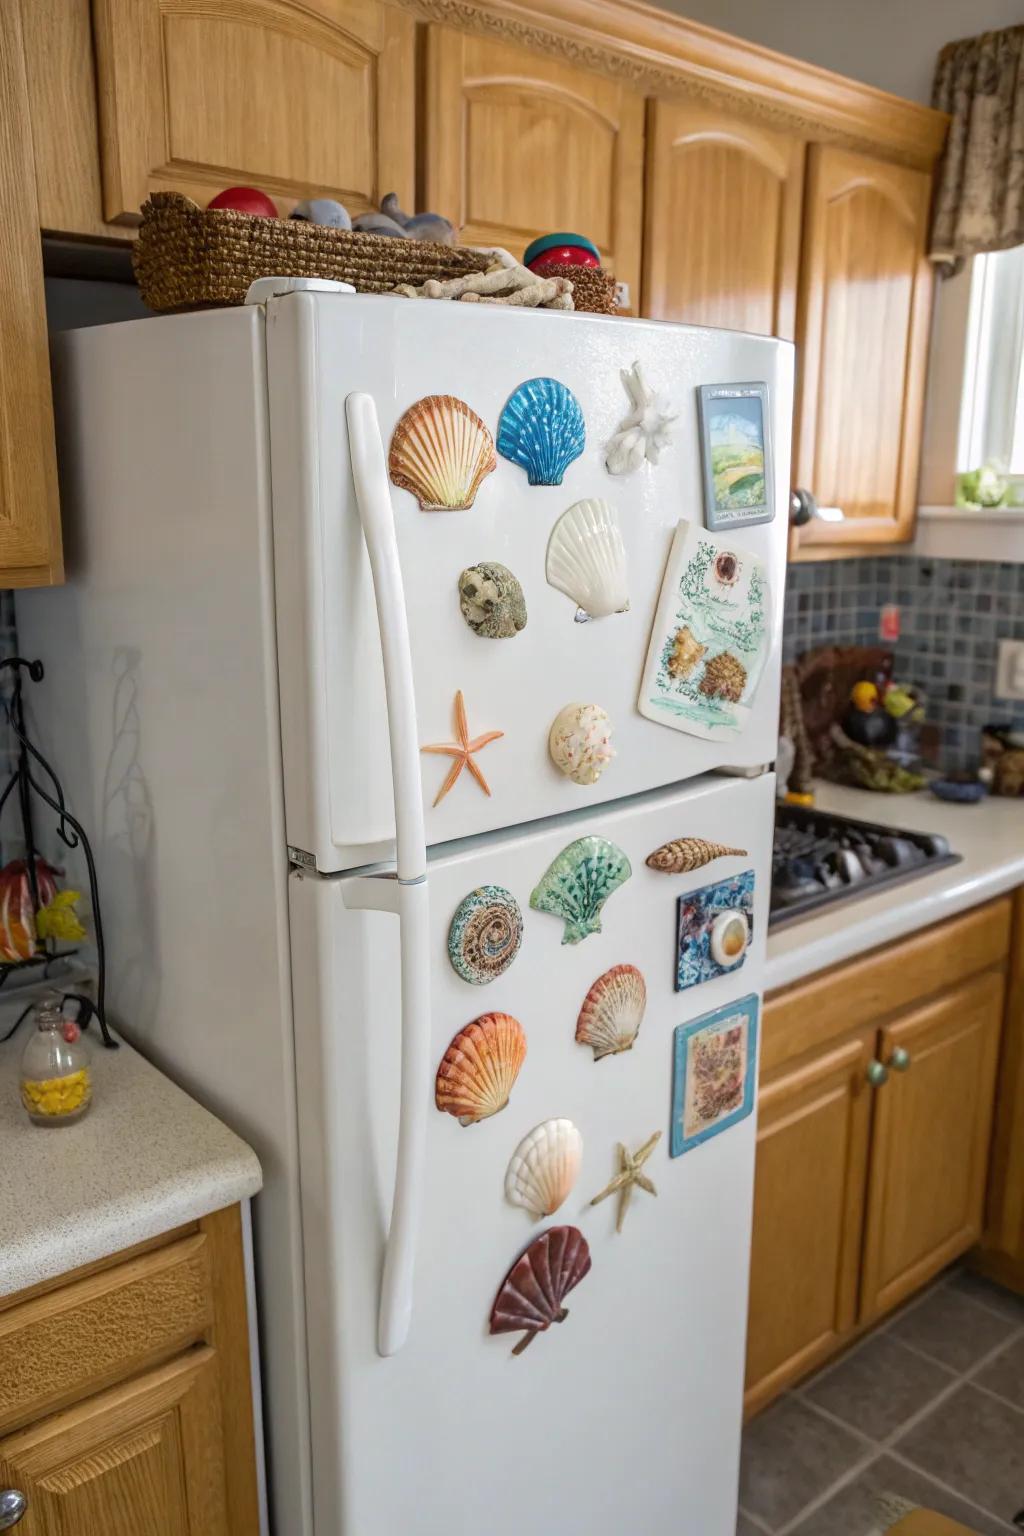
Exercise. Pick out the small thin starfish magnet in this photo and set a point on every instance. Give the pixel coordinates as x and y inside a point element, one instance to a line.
<point>462,750</point>
<point>629,1174</point>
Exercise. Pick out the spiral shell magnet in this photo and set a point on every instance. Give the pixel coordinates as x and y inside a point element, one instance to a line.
<point>485,934</point>
<point>686,853</point>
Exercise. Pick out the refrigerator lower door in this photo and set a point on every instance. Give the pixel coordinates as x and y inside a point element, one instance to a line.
<point>626,1417</point>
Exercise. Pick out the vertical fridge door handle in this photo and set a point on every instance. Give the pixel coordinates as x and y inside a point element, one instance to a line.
<point>406,893</point>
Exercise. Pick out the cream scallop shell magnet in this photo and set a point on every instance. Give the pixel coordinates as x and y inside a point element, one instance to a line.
<point>441,451</point>
<point>544,1167</point>
<point>579,742</point>
<point>586,559</point>
<point>479,1069</point>
<point>613,1011</point>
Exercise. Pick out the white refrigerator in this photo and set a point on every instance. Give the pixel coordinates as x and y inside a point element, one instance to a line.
<point>445,1024</point>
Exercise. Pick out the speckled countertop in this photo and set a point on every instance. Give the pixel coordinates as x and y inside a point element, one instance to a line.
<point>145,1159</point>
<point>989,836</point>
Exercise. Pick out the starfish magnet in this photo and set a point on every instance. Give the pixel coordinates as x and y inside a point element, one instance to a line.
<point>629,1174</point>
<point>462,750</point>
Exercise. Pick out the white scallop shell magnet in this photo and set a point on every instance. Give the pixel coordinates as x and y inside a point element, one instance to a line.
<point>579,742</point>
<point>544,1167</point>
<point>586,559</point>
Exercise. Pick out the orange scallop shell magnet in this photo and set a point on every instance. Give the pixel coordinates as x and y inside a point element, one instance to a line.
<point>479,1068</point>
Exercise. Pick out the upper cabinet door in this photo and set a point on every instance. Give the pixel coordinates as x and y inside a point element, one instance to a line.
<point>518,144</point>
<point>299,99</point>
<point>722,239</point>
<point>862,333</point>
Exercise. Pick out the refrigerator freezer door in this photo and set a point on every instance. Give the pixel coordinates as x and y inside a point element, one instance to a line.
<point>625,1417</point>
<point>339,806</point>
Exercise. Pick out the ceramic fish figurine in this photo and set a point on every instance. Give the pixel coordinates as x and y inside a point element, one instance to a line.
<point>531,1294</point>
<point>579,742</point>
<point>419,226</point>
<point>586,559</point>
<point>544,1167</point>
<point>686,853</point>
<point>322,210</point>
<point>577,884</point>
<point>645,431</point>
<point>542,430</point>
<point>485,934</point>
<point>612,1012</point>
<point>479,1069</point>
<point>441,451</point>
<point>492,601</point>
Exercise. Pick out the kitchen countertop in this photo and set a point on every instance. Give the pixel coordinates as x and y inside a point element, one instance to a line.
<point>989,835</point>
<point>145,1159</point>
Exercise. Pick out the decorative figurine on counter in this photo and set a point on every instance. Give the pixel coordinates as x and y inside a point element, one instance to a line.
<point>245,200</point>
<point>612,1012</point>
<point>865,721</point>
<point>542,430</point>
<point>531,1294</point>
<point>629,1177</point>
<point>479,1069</point>
<point>586,559</point>
<point>579,742</point>
<point>440,452</point>
<point>877,739</point>
<point>576,885</point>
<point>644,431</point>
<point>492,601</point>
<point>462,751</point>
<point>544,1167</point>
<point>561,250</point>
<point>322,210</point>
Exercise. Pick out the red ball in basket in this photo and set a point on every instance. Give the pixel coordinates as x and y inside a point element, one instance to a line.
<point>245,200</point>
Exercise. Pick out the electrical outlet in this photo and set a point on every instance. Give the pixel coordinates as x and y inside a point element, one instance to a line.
<point>1010,670</point>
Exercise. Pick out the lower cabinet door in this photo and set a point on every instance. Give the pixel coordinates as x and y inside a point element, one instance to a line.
<point>929,1153</point>
<point>814,1123</point>
<point>144,1459</point>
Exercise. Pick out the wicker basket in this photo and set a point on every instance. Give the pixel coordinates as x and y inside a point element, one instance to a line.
<point>188,257</point>
<point>593,289</point>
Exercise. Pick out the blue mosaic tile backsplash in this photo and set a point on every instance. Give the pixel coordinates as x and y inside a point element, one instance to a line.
<point>953,613</point>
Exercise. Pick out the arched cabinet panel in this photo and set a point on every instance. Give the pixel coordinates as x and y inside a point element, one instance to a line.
<point>295,98</point>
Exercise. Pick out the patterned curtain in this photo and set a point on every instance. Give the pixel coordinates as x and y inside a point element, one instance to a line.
<point>979,197</point>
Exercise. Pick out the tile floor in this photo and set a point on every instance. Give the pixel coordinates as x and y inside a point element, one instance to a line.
<point>930,1407</point>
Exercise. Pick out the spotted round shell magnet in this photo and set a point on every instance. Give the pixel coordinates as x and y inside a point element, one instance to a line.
<point>485,934</point>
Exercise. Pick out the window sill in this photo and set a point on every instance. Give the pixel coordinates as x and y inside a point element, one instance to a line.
<point>956,533</point>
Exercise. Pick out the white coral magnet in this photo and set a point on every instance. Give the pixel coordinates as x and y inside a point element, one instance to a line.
<point>645,430</point>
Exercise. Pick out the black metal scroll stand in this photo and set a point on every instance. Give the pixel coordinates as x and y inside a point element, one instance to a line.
<point>71,833</point>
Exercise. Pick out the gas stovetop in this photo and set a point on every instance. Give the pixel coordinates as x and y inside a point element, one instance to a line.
<point>820,859</point>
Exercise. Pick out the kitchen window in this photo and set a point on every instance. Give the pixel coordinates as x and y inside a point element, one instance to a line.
<point>992,407</point>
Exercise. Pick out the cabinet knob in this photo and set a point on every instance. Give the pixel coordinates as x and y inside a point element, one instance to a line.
<point>13,1507</point>
<point>900,1059</point>
<point>877,1074</point>
<point>804,508</point>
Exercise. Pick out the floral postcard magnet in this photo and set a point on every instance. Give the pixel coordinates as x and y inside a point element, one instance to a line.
<point>710,638</point>
<point>713,1073</point>
<point>714,927</point>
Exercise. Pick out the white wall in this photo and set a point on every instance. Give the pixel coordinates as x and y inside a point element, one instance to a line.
<point>889,43</point>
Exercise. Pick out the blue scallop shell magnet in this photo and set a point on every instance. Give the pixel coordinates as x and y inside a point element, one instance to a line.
<point>542,429</point>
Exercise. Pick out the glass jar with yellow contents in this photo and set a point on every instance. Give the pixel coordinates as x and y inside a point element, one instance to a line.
<point>56,1081</point>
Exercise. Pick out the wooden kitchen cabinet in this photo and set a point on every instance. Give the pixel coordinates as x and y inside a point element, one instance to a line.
<point>812,1146</point>
<point>930,1141</point>
<point>518,143</point>
<point>722,208</point>
<point>125,1392</point>
<point>878,1080</point>
<point>862,340</point>
<point>317,98</point>
<point>30,535</point>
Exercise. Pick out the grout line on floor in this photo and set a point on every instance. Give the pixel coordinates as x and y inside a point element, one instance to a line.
<point>998,1397</point>
<point>754,1521</point>
<point>956,1493</point>
<point>833,1418</point>
<point>840,1483</point>
<point>995,1312</point>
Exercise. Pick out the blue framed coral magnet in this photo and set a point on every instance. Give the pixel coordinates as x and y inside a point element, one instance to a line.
<point>714,925</point>
<point>714,1064</point>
